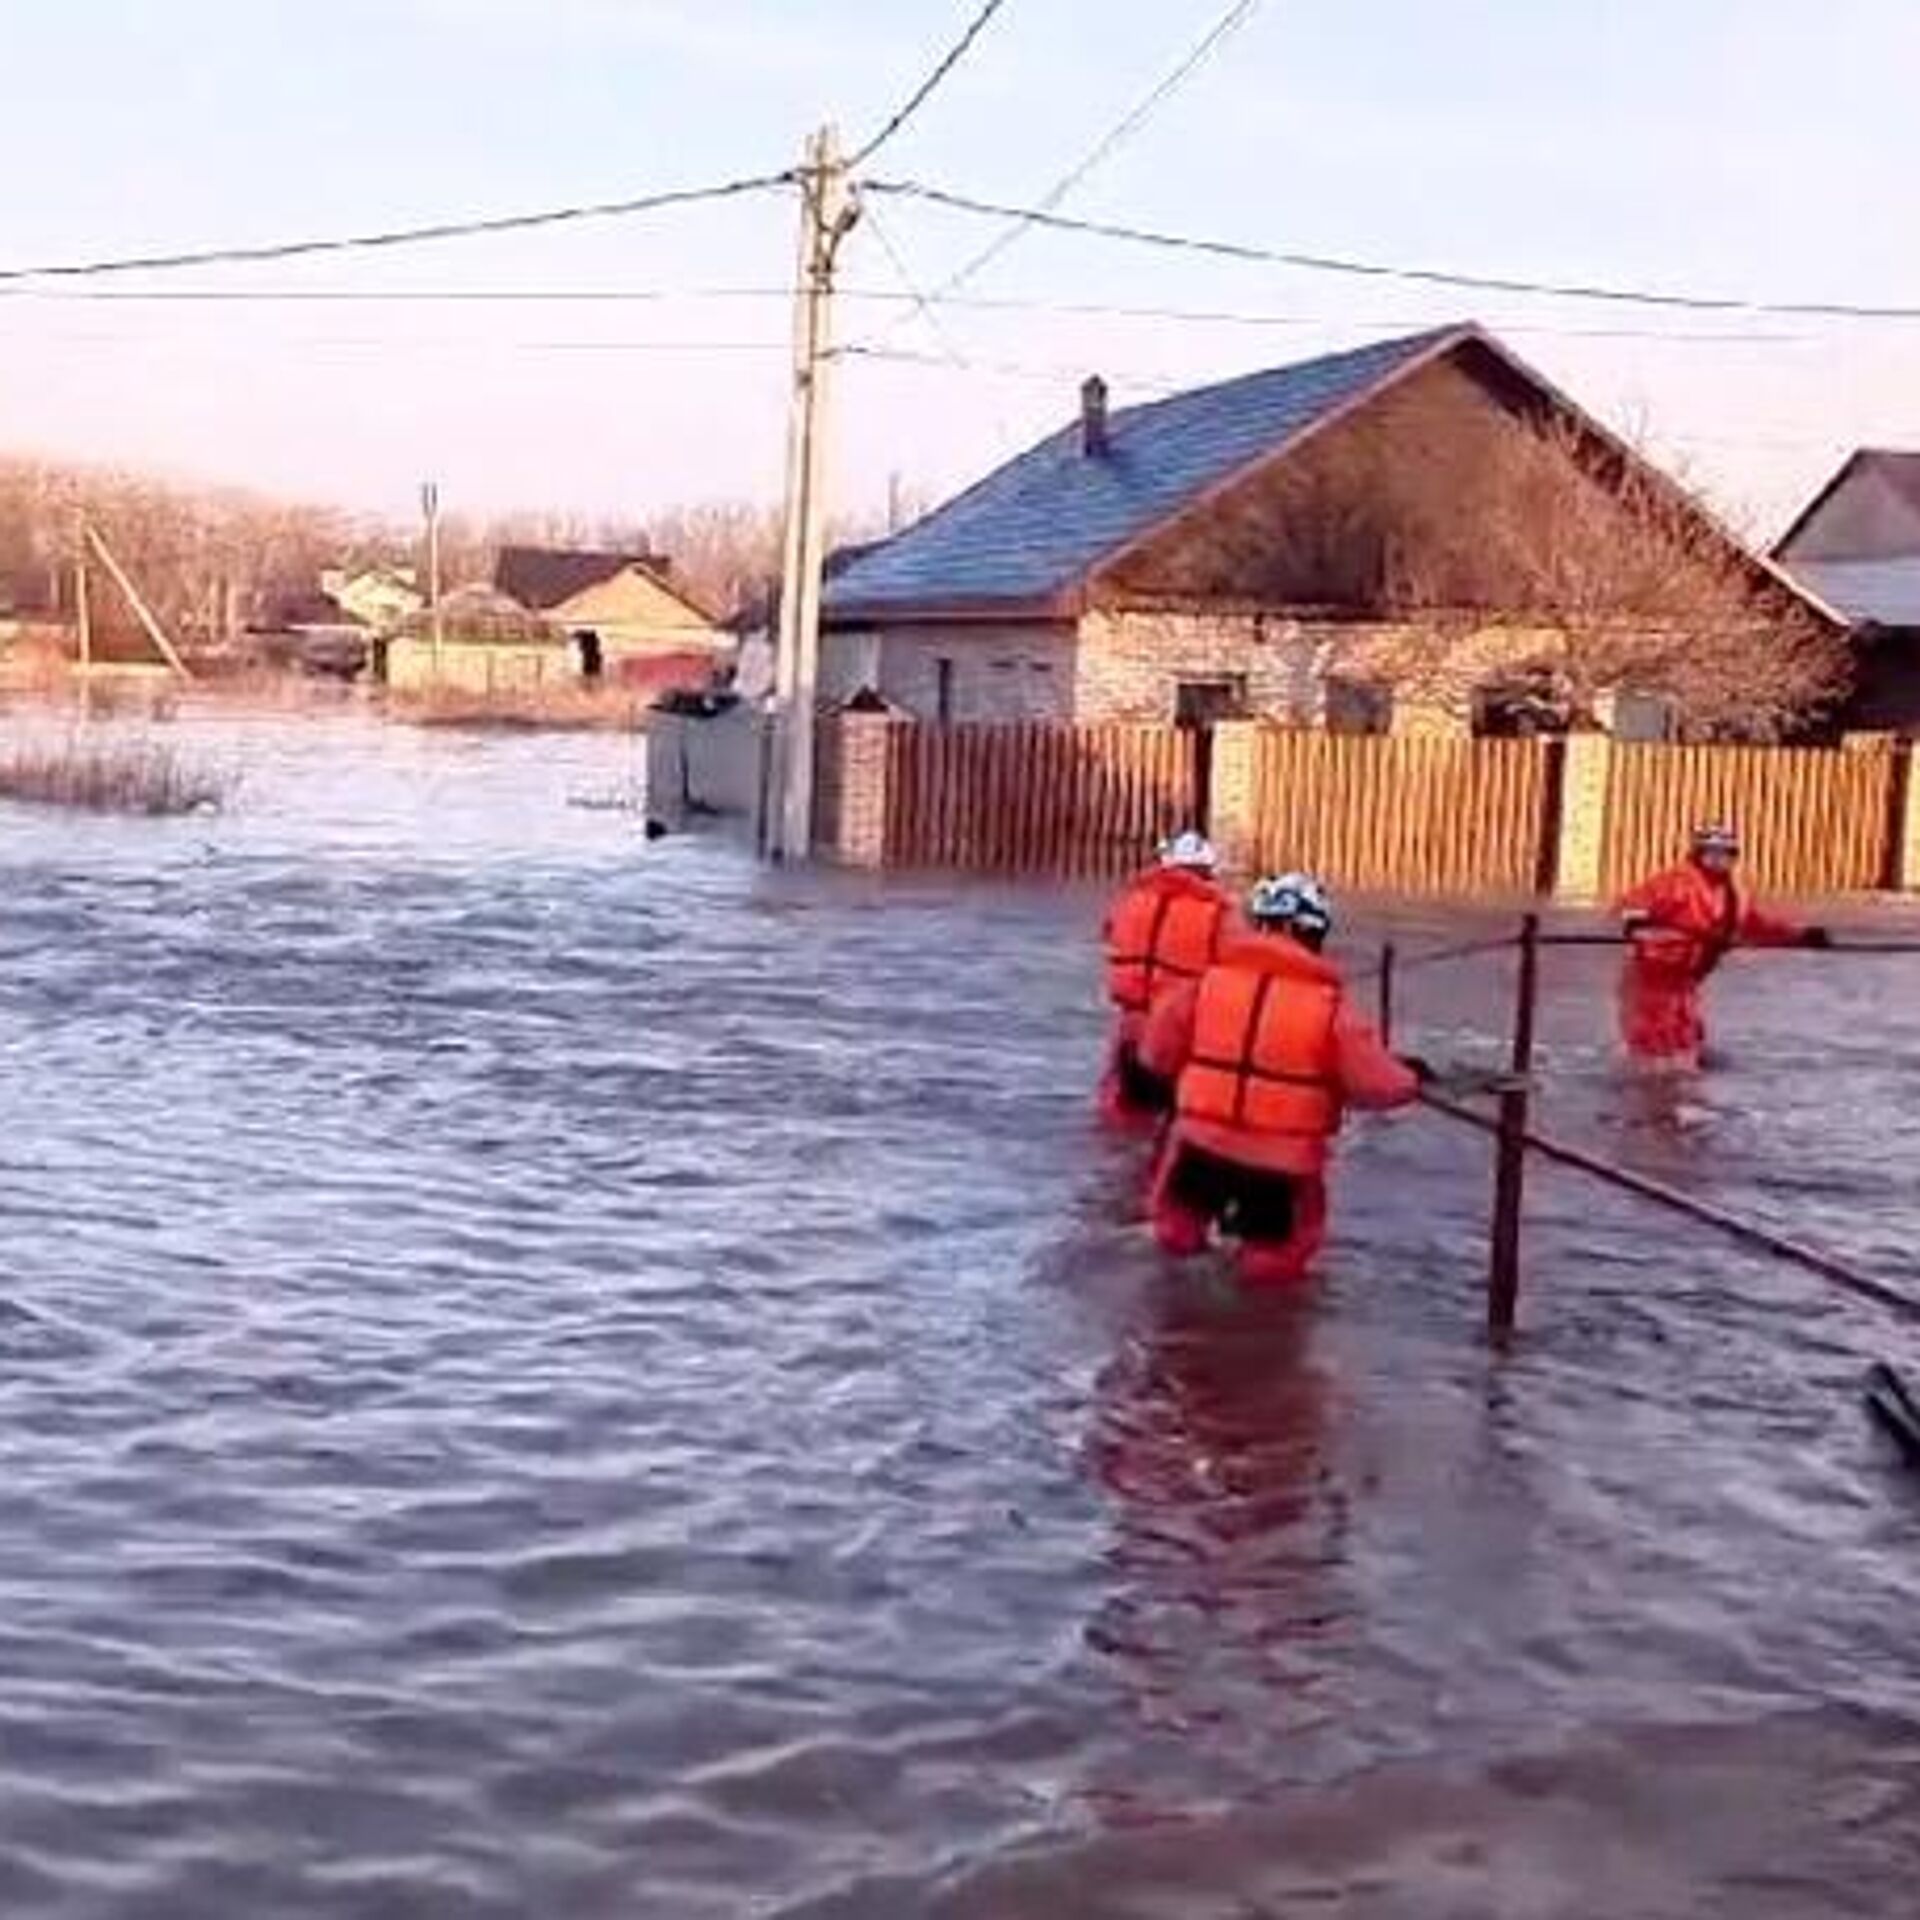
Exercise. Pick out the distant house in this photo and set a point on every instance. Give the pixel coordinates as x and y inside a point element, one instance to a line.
<point>1857,545</point>
<point>36,632</point>
<point>623,612</point>
<point>378,599</point>
<point>1224,552</point>
<point>484,642</point>
<point>312,632</point>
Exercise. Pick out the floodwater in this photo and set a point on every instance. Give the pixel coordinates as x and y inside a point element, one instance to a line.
<point>542,1374</point>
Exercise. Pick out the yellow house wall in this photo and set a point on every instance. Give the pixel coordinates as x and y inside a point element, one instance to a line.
<point>633,614</point>
<point>475,667</point>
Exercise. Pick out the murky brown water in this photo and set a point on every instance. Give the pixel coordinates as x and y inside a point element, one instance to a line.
<point>546,1375</point>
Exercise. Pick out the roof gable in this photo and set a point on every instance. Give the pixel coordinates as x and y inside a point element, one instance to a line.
<point>1869,510</point>
<point>1029,534</point>
<point>635,596</point>
<point>546,577</point>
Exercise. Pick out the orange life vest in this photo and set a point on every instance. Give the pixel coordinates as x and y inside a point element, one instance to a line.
<point>1264,1057</point>
<point>1164,930</point>
<point>1696,922</point>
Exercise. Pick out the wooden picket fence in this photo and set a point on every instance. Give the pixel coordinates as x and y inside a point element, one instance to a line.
<point>1414,815</point>
<point>1084,801</point>
<point>1813,820</point>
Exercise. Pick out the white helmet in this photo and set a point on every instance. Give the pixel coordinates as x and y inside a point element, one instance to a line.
<point>1295,901</point>
<point>1189,849</point>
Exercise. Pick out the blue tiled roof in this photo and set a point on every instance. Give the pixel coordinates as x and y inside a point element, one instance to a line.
<point>1040,524</point>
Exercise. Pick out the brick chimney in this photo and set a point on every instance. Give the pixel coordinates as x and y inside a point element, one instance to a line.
<point>1094,440</point>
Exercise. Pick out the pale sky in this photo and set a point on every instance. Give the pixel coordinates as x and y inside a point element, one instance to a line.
<point>1762,149</point>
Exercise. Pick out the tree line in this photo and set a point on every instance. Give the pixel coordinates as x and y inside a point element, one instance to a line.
<point>216,562</point>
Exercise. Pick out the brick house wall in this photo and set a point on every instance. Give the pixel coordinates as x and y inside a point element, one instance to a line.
<point>1127,664</point>
<point>1131,664</point>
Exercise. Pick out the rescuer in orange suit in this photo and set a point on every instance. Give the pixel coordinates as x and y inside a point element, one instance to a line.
<point>1161,933</point>
<point>1680,925</point>
<point>1268,1056</point>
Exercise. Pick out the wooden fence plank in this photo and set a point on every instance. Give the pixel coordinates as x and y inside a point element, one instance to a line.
<point>1814,819</point>
<point>1410,815</point>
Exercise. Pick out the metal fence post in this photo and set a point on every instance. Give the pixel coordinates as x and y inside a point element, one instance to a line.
<point>1510,1162</point>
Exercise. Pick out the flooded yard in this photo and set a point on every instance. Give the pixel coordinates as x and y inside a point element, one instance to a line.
<point>547,1373</point>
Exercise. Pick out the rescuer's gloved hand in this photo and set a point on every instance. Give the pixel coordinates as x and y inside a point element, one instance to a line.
<point>1818,938</point>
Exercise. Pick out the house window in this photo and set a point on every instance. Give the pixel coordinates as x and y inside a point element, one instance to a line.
<point>593,658</point>
<point>1204,703</point>
<point>943,691</point>
<point>1358,706</point>
<point>1522,704</point>
<point>1644,716</point>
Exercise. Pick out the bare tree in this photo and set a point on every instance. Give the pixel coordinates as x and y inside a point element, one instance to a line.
<point>1608,577</point>
<point>211,561</point>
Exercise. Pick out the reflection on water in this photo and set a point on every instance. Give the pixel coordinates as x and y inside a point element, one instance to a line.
<point>546,1373</point>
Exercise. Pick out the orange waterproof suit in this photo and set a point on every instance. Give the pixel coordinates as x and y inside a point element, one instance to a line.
<point>1163,932</point>
<point>1268,1057</point>
<point>1681,925</point>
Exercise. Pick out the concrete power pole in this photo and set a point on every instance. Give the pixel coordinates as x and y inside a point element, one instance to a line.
<point>82,604</point>
<point>827,213</point>
<point>430,509</point>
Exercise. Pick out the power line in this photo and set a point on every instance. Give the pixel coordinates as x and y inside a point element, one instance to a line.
<point>438,343</point>
<point>1110,143</point>
<point>399,236</point>
<point>1342,324</point>
<point>27,296</point>
<point>1053,376</point>
<point>23,298</point>
<point>931,84</point>
<point>1376,270</point>
<point>922,305</point>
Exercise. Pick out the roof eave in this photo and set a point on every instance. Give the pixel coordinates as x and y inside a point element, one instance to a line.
<point>1790,582</point>
<point>1062,605</point>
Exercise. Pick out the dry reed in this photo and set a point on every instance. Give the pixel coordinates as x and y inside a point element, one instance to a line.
<point>104,775</point>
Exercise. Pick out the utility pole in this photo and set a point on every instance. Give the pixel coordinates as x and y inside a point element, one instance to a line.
<point>82,607</point>
<point>430,508</point>
<point>142,612</point>
<point>827,214</point>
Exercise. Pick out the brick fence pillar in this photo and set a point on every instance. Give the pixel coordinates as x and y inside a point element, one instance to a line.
<point>1905,864</point>
<point>1581,830</point>
<point>1232,795</point>
<point>853,803</point>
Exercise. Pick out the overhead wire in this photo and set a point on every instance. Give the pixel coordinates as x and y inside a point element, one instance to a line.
<point>1380,270</point>
<point>909,293</point>
<point>921,304</point>
<point>930,85</point>
<point>1158,383</point>
<point>437,343</point>
<point>400,236</point>
<point>1109,143</point>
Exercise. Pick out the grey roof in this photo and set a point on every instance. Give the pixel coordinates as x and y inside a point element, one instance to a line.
<point>1881,593</point>
<point>1038,526</point>
<point>1869,510</point>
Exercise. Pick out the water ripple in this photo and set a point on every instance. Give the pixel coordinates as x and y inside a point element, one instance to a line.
<point>542,1372</point>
